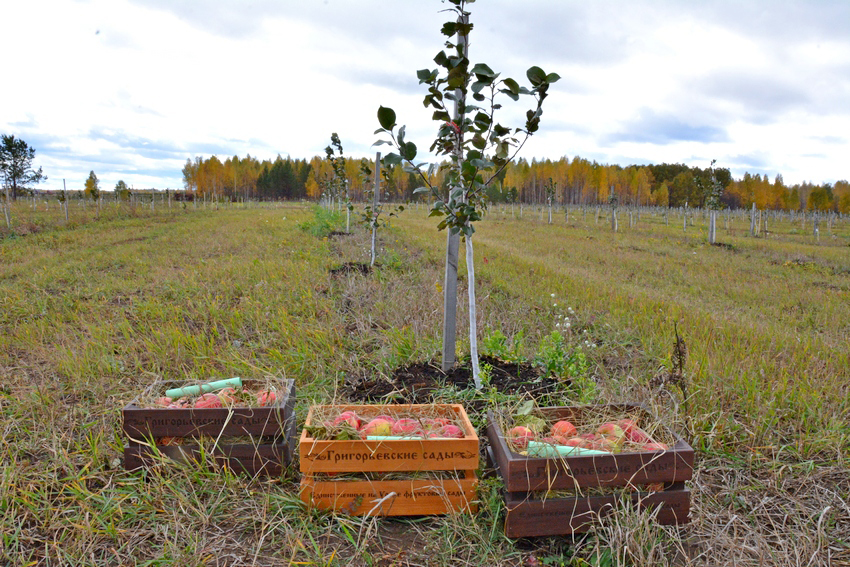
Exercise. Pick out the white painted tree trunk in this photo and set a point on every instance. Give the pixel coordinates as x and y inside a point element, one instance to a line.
<point>753,221</point>
<point>712,227</point>
<point>473,322</point>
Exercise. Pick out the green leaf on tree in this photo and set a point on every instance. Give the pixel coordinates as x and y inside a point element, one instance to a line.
<point>536,76</point>
<point>386,117</point>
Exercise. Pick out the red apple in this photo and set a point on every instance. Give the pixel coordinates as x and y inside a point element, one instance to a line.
<point>564,429</point>
<point>378,426</point>
<point>521,436</point>
<point>227,396</point>
<point>406,426</point>
<point>610,444</point>
<point>209,400</point>
<point>576,442</point>
<point>452,431</point>
<point>266,398</point>
<point>549,440</point>
<point>634,433</point>
<point>560,439</point>
<point>653,447</point>
<point>164,401</point>
<point>348,417</point>
<point>611,430</point>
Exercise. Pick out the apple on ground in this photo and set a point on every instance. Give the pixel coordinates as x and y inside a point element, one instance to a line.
<point>564,429</point>
<point>521,435</point>
<point>378,426</point>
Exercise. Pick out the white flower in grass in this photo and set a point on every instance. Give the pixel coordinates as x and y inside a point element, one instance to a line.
<point>552,295</point>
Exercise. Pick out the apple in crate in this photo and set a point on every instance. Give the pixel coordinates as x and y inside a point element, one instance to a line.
<point>653,447</point>
<point>521,435</point>
<point>611,430</point>
<point>378,426</point>
<point>207,401</point>
<point>406,426</point>
<point>451,431</point>
<point>633,433</point>
<point>227,396</point>
<point>266,398</point>
<point>563,429</point>
<point>348,417</point>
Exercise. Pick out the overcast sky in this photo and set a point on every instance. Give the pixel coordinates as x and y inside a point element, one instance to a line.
<point>132,88</point>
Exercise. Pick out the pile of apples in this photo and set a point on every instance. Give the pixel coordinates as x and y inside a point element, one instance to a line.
<point>385,425</point>
<point>227,397</point>
<point>611,437</point>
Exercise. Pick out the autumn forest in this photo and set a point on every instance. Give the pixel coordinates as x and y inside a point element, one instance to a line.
<point>576,181</point>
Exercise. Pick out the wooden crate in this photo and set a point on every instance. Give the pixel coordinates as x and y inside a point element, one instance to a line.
<point>331,456</point>
<point>267,434</point>
<point>538,515</point>
<point>320,459</point>
<point>414,497</point>
<point>142,423</point>
<point>526,474</point>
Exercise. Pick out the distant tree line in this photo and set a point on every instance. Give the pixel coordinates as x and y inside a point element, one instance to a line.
<point>577,181</point>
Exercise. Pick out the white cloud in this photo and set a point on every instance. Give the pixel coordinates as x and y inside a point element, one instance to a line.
<point>133,88</point>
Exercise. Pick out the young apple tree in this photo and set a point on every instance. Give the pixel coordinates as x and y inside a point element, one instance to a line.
<point>335,186</point>
<point>372,211</point>
<point>478,148</point>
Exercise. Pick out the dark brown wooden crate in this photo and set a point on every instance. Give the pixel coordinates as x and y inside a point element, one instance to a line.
<point>532,517</point>
<point>535,515</point>
<point>141,424</point>
<point>526,474</point>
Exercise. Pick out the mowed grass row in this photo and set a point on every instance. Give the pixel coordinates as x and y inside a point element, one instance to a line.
<point>766,320</point>
<point>93,314</point>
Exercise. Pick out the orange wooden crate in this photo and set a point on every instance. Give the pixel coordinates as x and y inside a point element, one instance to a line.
<point>413,497</point>
<point>331,456</point>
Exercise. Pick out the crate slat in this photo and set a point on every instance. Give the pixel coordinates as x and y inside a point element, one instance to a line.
<point>416,497</point>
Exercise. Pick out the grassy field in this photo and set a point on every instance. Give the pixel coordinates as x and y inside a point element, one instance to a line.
<point>94,312</point>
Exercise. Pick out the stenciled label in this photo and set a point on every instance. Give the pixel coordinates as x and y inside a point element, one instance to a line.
<point>334,456</point>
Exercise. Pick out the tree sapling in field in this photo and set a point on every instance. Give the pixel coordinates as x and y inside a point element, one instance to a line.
<point>478,148</point>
